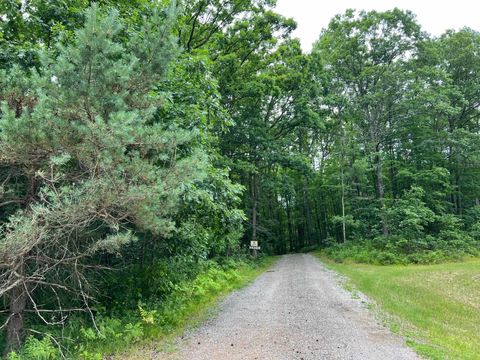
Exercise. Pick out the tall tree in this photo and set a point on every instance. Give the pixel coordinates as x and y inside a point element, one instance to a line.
<point>366,54</point>
<point>85,161</point>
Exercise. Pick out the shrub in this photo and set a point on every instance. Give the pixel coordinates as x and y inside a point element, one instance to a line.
<point>36,349</point>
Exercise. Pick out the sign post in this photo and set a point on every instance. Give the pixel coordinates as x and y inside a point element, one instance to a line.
<point>254,246</point>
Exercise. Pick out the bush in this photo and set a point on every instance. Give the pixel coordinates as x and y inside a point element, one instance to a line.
<point>36,349</point>
<point>398,250</point>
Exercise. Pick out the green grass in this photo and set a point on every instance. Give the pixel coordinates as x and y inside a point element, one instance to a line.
<point>436,307</point>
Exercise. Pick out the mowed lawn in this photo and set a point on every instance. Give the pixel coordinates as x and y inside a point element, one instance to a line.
<point>436,307</point>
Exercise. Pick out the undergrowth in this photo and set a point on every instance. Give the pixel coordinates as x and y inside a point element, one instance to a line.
<point>150,320</point>
<point>390,253</point>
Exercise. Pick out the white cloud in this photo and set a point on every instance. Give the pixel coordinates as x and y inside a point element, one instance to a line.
<point>434,16</point>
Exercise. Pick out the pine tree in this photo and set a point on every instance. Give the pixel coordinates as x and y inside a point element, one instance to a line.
<point>87,161</point>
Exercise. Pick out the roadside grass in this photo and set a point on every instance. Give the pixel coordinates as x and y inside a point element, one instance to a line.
<point>436,307</point>
<point>155,325</point>
<point>193,310</point>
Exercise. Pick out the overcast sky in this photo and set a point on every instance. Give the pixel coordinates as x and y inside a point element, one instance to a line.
<point>434,16</point>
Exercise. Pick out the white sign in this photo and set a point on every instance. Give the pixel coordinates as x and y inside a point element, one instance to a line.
<point>254,243</point>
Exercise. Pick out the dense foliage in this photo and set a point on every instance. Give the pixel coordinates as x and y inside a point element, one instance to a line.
<point>144,144</point>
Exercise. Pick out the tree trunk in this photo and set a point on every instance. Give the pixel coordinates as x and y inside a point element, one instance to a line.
<point>381,194</point>
<point>459,193</point>
<point>254,211</point>
<point>18,301</point>
<point>318,220</point>
<point>342,165</point>
<point>344,232</point>
<point>308,215</point>
<point>289,224</point>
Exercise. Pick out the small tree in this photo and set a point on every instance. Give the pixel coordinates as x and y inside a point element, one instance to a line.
<point>409,217</point>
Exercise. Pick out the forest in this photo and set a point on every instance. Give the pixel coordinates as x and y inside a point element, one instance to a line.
<point>143,145</point>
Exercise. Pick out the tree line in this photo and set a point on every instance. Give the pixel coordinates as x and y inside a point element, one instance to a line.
<point>139,140</point>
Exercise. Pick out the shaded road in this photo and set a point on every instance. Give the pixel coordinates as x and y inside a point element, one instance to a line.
<point>296,310</point>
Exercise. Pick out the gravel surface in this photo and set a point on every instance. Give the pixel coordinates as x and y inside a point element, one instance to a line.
<point>296,310</point>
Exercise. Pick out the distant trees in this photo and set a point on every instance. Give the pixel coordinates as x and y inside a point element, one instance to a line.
<point>397,101</point>
<point>327,144</point>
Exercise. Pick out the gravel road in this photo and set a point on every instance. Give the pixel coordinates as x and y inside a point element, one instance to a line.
<point>296,310</point>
